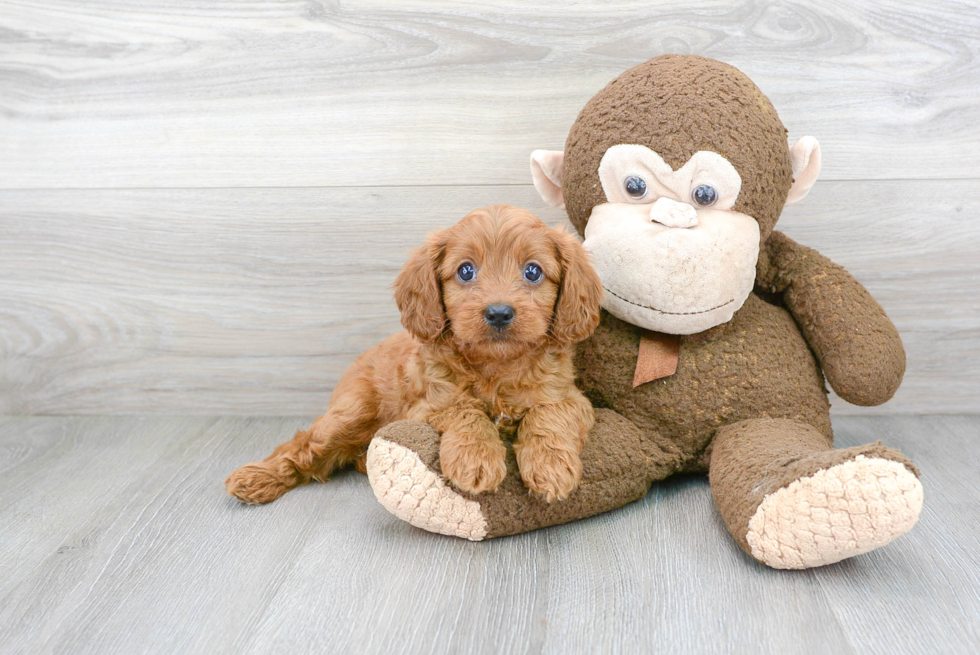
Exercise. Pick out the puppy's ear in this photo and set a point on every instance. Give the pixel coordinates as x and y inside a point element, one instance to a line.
<point>418,290</point>
<point>580,293</point>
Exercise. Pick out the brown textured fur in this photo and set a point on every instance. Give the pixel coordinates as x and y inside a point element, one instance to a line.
<point>455,372</point>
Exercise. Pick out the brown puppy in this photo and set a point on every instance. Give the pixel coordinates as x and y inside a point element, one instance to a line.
<point>493,307</point>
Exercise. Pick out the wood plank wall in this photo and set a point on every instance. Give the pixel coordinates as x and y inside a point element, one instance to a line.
<point>202,204</point>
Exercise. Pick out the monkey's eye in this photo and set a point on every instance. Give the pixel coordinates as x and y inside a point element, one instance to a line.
<point>466,272</point>
<point>533,273</point>
<point>704,195</point>
<point>635,186</point>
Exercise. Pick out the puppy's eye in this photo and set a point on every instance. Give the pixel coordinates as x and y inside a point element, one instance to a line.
<point>466,272</point>
<point>704,195</point>
<point>533,273</point>
<point>635,186</point>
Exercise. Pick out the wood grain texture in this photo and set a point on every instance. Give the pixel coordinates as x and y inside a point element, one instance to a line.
<point>139,93</point>
<point>254,301</point>
<point>116,536</point>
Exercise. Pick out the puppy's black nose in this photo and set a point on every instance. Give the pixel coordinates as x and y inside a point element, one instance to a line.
<point>498,316</point>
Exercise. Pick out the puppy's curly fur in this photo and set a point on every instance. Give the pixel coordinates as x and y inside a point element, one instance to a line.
<point>456,371</point>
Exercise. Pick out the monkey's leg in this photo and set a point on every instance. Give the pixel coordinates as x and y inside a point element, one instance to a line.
<point>618,466</point>
<point>337,438</point>
<point>793,502</point>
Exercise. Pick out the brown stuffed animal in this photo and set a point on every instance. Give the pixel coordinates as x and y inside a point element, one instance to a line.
<point>716,339</point>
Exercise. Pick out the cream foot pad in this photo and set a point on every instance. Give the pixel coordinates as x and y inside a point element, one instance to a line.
<point>410,490</point>
<point>836,513</point>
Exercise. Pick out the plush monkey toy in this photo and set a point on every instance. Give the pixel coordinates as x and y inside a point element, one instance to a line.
<point>716,338</point>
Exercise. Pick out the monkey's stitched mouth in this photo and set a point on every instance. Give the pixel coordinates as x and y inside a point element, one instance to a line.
<point>660,311</point>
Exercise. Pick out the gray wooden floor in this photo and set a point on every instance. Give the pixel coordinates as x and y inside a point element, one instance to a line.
<point>116,536</point>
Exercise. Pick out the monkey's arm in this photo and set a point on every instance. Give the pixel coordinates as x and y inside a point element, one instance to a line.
<point>856,343</point>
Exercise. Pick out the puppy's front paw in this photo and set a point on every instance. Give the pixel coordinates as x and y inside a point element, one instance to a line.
<point>473,465</point>
<point>553,473</point>
<point>255,484</point>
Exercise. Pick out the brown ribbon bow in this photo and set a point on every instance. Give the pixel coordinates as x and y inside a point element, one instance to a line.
<point>657,357</point>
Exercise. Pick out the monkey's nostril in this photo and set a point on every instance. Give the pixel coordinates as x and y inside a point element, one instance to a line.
<point>498,316</point>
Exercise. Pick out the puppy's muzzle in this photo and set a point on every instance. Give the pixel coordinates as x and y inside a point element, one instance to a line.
<point>498,316</point>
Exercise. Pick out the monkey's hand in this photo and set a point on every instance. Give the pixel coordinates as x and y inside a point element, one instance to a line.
<point>856,343</point>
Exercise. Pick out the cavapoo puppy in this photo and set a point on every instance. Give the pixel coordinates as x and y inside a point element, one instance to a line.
<point>493,307</point>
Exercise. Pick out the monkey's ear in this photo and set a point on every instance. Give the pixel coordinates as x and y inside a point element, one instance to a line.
<point>805,158</point>
<point>546,167</point>
<point>418,291</point>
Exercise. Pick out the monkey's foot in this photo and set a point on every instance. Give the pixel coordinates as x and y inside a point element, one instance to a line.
<point>836,513</point>
<point>414,492</point>
<point>403,469</point>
